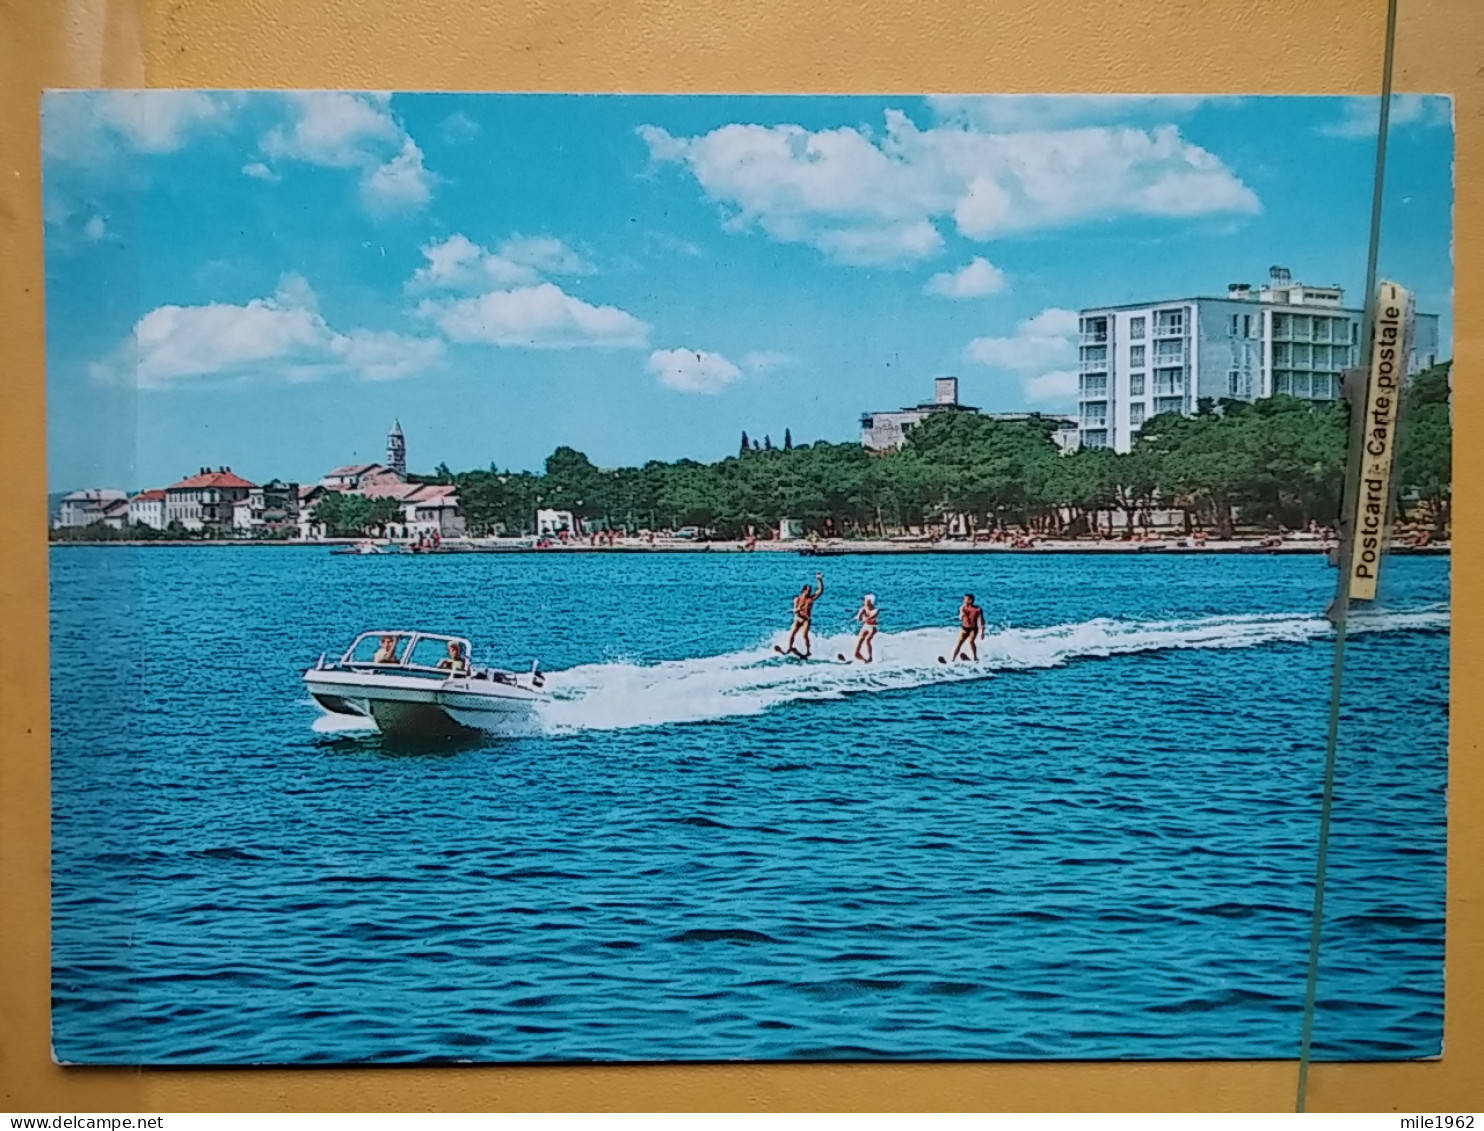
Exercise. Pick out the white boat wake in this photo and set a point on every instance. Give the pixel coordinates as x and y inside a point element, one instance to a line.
<point>619,695</point>
<point>341,724</point>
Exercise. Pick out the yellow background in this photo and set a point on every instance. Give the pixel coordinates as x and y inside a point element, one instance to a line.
<point>909,46</point>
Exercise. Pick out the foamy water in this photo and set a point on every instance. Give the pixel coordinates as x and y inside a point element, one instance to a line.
<point>617,695</point>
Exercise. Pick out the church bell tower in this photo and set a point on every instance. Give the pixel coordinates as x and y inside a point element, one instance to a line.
<point>396,449</point>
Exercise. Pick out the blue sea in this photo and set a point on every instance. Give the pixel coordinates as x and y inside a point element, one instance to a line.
<point>1098,842</point>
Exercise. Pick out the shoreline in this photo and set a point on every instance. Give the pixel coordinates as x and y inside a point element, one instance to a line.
<point>824,549</point>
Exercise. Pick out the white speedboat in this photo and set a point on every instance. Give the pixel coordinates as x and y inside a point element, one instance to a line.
<point>425,685</point>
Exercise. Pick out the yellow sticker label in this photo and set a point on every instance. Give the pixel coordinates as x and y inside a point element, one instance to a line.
<point>1382,404</point>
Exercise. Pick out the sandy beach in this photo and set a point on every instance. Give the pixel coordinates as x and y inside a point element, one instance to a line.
<point>824,548</point>
<point>835,547</point>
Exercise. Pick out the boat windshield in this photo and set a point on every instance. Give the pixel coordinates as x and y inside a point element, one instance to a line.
<point>379,648</point>
<point>439,652</point>
<point>417,651</point>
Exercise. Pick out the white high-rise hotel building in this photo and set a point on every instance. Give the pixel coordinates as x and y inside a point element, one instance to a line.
<point>1139,360</point>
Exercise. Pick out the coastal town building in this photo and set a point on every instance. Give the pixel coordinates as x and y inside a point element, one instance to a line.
<point>271,510</point>
<point>115,515</point>
<point>355,478</point>
<point>888,431</point>
<point>85,508</point>
<point>423,508</point>
<point>148,509</point>
<point>1141,359</point>
<point>426,508</point>
<point>206,501</point>
<point>396,450</point>
<point>306,528</point>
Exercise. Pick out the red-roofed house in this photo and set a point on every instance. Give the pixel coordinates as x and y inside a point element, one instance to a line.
<point>204,501</point>
<point>148,509</point>
<point>357,477</point>
<point>426,507</point>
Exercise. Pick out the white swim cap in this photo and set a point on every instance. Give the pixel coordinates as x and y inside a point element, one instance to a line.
<point>870,598</point>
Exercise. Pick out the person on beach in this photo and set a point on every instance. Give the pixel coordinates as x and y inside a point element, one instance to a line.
<point>971,628</point>
<point>868,615</point>
<point>803,614</point>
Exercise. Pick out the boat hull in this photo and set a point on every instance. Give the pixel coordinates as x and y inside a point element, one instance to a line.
<point>408,707</point>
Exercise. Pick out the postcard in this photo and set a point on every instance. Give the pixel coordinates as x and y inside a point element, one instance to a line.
<point>663,578</point>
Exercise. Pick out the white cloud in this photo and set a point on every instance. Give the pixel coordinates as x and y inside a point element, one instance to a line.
<point>260,171</point>
<point>1051,322</point>
<point>867,200</point>
<point>1057,387</point>
<point>891,243</point>
<point>545,254</point>
<point>340,130</point>
<point>977,278</point>
<point>458,127</point>
<point>89,126</point>
<point>1039,353</point>
<point>1360,117</point>
<point>1010,112</point>
<point>283,335</point>
<point>334,128</point>
<point>537,317</point>
<point>458,263</point>
<point>401,183</point>
<point>1047,339</point>
<point>382,355</point>
<point>692,371</point>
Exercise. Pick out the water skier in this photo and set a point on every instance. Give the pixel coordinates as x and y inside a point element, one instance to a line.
<point>868,615</point>
<point>971,627</point>
<point>803,613</point>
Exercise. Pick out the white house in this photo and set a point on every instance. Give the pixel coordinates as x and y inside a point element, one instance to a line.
<point>550,523</point>
<point>148,509</point>
<point>84,508</point>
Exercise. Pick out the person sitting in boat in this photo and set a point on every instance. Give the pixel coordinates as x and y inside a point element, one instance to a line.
<point>387,653</point>
<point>454,661</point>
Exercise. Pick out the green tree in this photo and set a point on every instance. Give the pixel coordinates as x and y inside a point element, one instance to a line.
<point>1426,459</point>
<point>572,483</point>
<point>342,514</point>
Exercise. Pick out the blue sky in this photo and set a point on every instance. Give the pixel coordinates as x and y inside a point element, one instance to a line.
<point>265,280</point>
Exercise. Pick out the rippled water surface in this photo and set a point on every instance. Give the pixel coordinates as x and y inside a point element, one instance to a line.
<point>1097,843</point>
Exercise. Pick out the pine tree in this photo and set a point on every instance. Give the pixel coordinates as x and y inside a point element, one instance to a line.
<point>788,440</point>
<point>756,446</point>
<point>744,444</point>
<point>767,443</point>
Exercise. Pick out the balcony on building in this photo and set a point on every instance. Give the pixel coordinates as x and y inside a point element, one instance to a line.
<point>1093,331</point>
